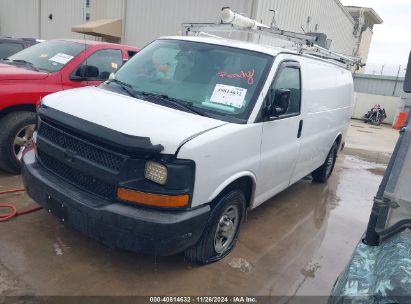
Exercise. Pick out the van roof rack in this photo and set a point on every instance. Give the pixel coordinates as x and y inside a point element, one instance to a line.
<point>304,44</point>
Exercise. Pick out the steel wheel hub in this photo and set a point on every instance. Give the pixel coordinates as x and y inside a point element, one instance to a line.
<point>22,140</point>
<point>226,229</point>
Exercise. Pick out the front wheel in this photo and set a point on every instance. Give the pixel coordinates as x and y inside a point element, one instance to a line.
<point>220,234</point>
<point>16,133</point>
<point>322,174</point>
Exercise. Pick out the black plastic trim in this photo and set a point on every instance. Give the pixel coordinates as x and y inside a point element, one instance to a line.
<point>180,180</point>
<point>380,209</point>
<point>130,171</point>
<point>125,142</point>
<point>407,80</point>
<point>134,228</point>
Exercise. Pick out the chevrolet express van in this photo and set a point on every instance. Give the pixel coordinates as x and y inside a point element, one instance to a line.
<point>193,132</point>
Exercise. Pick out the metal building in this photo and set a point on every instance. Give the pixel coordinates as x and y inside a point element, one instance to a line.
<point>384,90</point>
<point>137,22</point>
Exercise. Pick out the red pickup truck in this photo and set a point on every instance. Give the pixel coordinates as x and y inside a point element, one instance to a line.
<point>45,68</point>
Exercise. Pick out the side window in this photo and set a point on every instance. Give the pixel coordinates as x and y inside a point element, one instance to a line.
<point>100,65</point>
<point>289,79</point>
<point>131,53</point>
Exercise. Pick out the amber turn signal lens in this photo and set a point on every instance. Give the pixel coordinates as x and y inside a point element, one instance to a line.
<point>151,199</point>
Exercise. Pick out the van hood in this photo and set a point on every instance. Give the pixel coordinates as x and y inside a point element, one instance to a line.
<point>164,126</point>
<point>11,72</point>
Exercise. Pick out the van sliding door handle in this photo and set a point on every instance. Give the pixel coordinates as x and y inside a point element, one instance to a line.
<point>300,129</point>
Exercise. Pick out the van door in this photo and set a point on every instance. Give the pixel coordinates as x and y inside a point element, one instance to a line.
<point>280,144</point>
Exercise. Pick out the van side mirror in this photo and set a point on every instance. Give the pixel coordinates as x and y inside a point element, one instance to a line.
<point>407,80</point>
<point>85,72</point>
<point>278,102</point>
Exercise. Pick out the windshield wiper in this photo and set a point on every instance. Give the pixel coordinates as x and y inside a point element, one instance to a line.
<point>133,93</point>
<point>188,106</point>
<point>125,87</point>
<point>26,63</point>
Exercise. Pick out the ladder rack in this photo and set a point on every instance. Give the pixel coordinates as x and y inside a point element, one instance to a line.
<point>301,43</point>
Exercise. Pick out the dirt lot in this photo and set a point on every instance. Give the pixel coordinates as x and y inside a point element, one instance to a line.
<point>295,244</point>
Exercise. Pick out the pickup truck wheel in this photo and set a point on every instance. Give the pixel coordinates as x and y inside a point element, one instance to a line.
<point>220,235</point>
<point>16,133</point>
<point>322,174</point>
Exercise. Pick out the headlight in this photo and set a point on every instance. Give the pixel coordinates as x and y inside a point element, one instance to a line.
<point>156,172</point>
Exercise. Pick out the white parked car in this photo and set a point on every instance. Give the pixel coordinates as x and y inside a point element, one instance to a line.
<point>190,134</point>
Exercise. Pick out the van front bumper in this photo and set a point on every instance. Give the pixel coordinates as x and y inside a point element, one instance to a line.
<point>117,225</point>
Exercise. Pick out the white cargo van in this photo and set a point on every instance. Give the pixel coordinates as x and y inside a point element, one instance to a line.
<point>189,135</point>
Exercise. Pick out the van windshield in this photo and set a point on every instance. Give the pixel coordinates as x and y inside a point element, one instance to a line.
<point>218,80</point>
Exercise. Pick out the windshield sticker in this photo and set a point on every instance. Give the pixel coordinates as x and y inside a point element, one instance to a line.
<point>61,58</point>
<point>249,75</point>
<point>114,65</point>
<point>228,95</point>
<point>44,55</point>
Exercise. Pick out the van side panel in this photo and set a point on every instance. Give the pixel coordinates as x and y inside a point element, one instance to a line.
<point>327,98</point>
<point>221,154</point>
<point>224,152</point>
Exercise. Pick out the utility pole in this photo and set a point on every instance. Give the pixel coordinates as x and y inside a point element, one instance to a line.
<point>39,36</point>
<point>396,80</point>
<point>382,69</point>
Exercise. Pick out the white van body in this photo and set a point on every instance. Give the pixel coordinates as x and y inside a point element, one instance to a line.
<point>229,151</point>
<point>271,154</point>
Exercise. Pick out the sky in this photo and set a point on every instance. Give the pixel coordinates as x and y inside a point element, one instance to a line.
<point>391,42</point>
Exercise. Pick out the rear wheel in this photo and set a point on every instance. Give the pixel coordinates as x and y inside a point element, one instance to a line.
<point>220,235</point>
<point>324,172</point>
<point>16,134</point>
<point>376,121</point>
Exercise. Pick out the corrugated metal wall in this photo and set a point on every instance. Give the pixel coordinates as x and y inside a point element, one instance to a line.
<point>375,89</point>
<point>149,19</point>
<point>146,20</point>
<point>163,17</point>
<point>65,15</point>
<point>30,18</point>
<point>379,85</point>
<point>330,16</point>
<point>106,9</point>
<point>19,18</point>
<point>364,102</point>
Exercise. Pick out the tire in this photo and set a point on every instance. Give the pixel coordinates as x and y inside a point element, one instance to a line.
<point>322,174</point>
<point>16,132</point>
<point>376,122</point>
<point>211,246</point>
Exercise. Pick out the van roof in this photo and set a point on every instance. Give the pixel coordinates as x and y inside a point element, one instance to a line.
<point>267,49</point>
